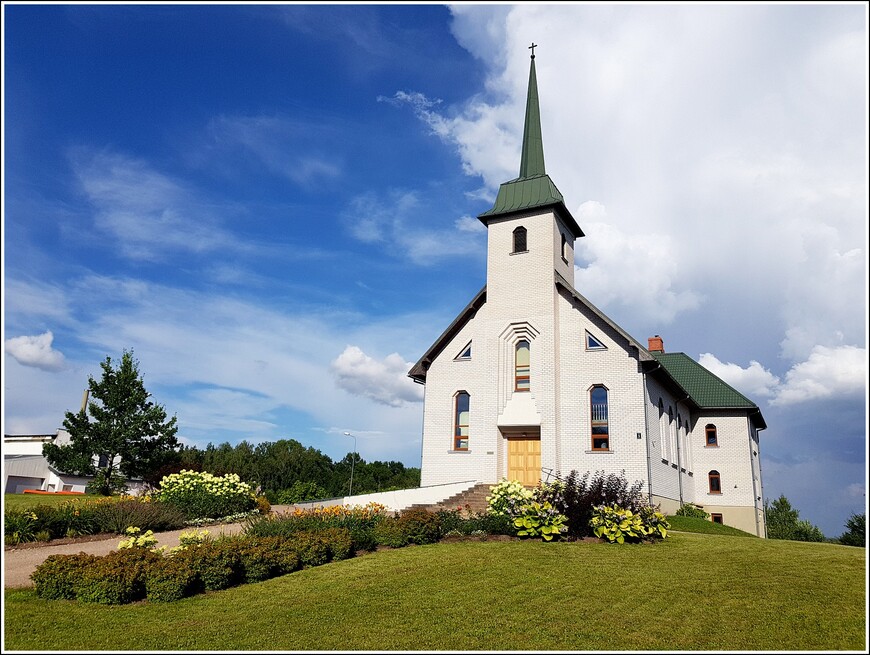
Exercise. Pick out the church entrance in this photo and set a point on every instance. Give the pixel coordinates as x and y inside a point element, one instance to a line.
<point>524,458</point>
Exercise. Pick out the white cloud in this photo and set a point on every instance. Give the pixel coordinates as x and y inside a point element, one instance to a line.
<point>384,381</point>
<point>469,224</point>
<point>149,214</point>
<point>285,147</point>
<point>829,372</point>
<point>639,271</point>
<point>36,351</point>
<point>393,222</point>
<point>753,381</point>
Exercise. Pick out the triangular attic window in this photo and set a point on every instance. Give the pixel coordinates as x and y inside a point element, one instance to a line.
<point>466,352</point>
<point>594,344</point>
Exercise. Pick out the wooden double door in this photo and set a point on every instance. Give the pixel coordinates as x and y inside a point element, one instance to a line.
<point>524,459</point>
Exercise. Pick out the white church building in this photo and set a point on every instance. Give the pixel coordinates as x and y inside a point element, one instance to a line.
<point>531,380</point>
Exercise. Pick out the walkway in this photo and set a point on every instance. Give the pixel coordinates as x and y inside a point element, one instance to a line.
<point>19,563</point>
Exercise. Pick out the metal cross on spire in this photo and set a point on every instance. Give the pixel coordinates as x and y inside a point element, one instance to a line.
<point>532,48</point>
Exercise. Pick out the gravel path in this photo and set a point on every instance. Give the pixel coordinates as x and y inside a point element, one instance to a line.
<point>19,563</point>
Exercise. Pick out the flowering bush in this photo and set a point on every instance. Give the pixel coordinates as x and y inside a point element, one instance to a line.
<point>508,497</point>
<point>540,520</point>
<point>137,540</point>
<point>619,525</point>
<point>203,495</point>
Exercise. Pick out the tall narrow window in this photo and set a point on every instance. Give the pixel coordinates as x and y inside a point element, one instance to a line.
<point>564,248</point>
<point>460,422</point>
<point>600,430</point>
<point>712,437</point>
<point>520,240</point>
<point>715,482</point>
<point>522,367</point>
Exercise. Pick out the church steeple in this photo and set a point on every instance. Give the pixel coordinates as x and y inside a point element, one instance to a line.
<point>532,161</point>
<point>533,188</point>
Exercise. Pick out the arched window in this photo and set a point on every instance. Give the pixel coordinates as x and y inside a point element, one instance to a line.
<point>522,366</point>
<point>712,438</point>
<point>520,240</point>
<point>460,421</point>
<point>715,482</point>
<point>600,430</point>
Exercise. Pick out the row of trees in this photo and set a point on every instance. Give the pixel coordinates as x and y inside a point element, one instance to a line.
<point>784,522</point>
<point>121,434</point>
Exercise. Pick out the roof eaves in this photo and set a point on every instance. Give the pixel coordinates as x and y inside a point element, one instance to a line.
<point>418,371</point>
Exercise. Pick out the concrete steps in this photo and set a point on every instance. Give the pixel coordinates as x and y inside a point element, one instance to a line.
<point>471,501</point>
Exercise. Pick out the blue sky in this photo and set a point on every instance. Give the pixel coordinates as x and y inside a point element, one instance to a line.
<point>274,207</point>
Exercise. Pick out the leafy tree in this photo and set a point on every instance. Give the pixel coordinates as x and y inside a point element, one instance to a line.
<point>783,522</point>
<point>120,434</point>
<point>855,534</point>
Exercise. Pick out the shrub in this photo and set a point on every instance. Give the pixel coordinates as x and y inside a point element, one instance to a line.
<point>420,526</point>
<point>217,564</point>
<point>258,559</point>
<point>118,516</point>
<point>693,511</point>
<point>540,520</point>
<point>56,577</point>
<point>117,578</point>
<point>311,548</point>
<point>170,579</point>
<point>578,496</point>
<point>339,542</point>
<point>359,520</point>
<point>618,524</point>
<point>389,532</point>
<point>507,498</point>
<point>203,495</point>
<point>136,539</point>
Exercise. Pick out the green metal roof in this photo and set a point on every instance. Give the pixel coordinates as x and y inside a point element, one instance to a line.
<point>533,188</point>
<point>707,390</point>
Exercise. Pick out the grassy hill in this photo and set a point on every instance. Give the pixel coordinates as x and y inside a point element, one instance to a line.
<point>690,592</point>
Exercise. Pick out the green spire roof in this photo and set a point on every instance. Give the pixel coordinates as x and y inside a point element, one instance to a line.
<point>707,390</point>
<point>533,188</point>
<point>532,162</point>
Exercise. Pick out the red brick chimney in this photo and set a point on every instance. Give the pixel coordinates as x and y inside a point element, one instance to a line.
<point>656,345</point>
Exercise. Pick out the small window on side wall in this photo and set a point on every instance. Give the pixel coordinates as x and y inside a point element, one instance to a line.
<point>712,439</point>
<point>460,421</point>
<point>465,353</point>
<point>520,240</point>
<point>564,249</point>
<point>715,482</point>
<point>594,344</point>
<point>600,428</point>
<point>717,518</point>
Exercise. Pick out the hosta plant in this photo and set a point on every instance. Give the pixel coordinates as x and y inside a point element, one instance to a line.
<point>618,525</point>
<point>540,520</point>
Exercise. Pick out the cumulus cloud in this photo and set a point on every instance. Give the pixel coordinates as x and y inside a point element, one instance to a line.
<point>640,271</point>
<point>753,381</point>
<point>828,372</point>
<point>36,351</point>
<point>386,381</point>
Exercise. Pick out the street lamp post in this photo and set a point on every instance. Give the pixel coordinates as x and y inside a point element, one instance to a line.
<point>352,462</point>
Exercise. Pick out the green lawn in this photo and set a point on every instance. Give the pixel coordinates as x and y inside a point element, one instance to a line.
<point>690,524</point>
<point>29,501</point>
<point>690,592</point>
